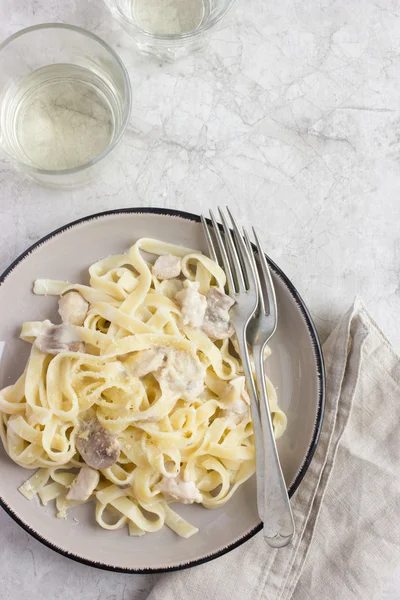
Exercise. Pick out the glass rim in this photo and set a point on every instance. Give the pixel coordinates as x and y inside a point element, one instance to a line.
<point>126,109</point>
<point>168,37</point>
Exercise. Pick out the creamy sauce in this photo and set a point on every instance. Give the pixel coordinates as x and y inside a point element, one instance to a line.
<point>72,308</point>
<point>183,374</point>
<point>193,305</point>
<point>216,322</point>
<point>236,400</point>
<point>146,361</point>
<point>179,490</point>
<point>167,267</point>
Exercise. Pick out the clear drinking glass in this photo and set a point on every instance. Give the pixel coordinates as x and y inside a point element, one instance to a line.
<point>65,100</point>
<point>169,29</point>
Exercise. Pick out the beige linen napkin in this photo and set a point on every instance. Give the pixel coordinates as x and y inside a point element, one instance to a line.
<point>347,509</point>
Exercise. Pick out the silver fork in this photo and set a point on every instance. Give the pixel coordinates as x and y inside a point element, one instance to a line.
<point>278,517</point>
<point>244,286</point>
<point>242,311</point>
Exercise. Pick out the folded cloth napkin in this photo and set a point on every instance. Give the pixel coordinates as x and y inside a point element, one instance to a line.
<point>347,509</point>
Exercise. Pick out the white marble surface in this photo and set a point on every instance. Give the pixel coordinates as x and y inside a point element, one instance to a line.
<point>292,117</point>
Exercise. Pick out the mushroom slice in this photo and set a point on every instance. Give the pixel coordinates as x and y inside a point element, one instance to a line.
<point>54,339</point>
<point>98,448</point>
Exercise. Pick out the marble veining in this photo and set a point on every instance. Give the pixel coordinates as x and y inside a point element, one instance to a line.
<point>292,117</point>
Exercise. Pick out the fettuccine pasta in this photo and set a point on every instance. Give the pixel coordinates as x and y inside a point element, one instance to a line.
<point>137,398</point>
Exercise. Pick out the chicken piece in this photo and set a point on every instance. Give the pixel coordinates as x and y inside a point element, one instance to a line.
<point>216,323</point>
<point>183,374</point>
<point>54,339</point>
<point>236,400</point>
<point>175,488</point>
<point>83,485</point>
<point>193,305</point>
<point>167,267</point>
<point>98,448</point>
<point>146,361</point>
<point>72,308</point>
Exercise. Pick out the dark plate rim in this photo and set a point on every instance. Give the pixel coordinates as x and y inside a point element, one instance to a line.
<point>318,423</point>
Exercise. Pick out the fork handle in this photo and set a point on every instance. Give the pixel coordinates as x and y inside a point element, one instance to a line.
<point>256,418</point>
<point>279,525</point>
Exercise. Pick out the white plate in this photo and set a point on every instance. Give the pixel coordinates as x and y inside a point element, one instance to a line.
<point>295,367</point>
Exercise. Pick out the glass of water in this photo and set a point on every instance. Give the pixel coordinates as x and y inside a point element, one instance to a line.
<point>169,29</point>
<point>65,101</point>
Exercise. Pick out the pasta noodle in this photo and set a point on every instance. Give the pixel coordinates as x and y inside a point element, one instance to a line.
<point>129,402</point>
